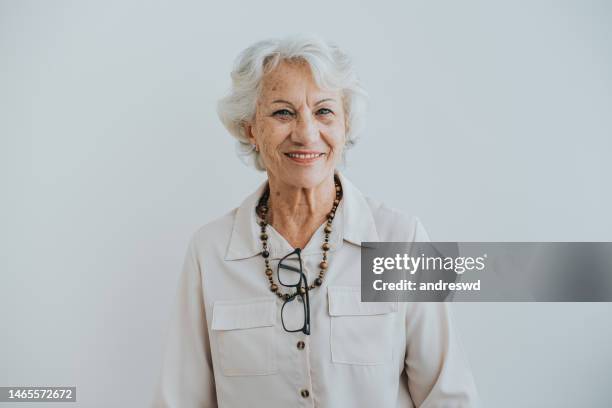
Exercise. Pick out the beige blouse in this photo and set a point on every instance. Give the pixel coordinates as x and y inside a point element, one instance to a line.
<point>226,346</point>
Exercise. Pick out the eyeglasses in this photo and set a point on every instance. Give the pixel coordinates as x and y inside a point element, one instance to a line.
<point>295,316</point>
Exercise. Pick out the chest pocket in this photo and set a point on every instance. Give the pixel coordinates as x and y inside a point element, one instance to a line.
<point>361,333</point>
<point>245,334</point>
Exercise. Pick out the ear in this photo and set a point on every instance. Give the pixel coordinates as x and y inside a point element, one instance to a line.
<point>248,131</point>
<point>346,124</point>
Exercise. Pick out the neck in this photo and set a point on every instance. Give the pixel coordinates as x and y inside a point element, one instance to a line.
<point>297,212</point>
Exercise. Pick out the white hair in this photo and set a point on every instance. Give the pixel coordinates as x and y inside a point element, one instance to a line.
<point>331,69</point>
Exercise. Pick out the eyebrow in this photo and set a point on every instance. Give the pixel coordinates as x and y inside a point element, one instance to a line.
<point>289,103</point>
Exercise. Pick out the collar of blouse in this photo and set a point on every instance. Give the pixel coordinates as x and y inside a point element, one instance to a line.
<point>354,223</point>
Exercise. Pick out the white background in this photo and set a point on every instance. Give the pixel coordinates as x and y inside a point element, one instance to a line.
<point>489,120</point>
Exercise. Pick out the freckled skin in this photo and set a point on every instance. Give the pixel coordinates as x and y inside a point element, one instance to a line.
<point>303,127</point>
<point>309,119</point>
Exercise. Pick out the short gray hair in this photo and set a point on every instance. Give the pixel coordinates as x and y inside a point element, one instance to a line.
<point>331,69</point>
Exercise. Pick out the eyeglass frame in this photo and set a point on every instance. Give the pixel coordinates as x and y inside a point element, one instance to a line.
<point>304,296</point>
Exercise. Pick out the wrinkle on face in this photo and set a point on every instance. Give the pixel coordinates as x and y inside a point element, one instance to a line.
<point>309,126</point>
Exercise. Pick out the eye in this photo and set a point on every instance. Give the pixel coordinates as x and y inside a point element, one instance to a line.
<point>324,111</point>
<point>283,113</point>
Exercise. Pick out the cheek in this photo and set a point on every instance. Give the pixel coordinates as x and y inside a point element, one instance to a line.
<point>272,136</point>
<point>268,131</point>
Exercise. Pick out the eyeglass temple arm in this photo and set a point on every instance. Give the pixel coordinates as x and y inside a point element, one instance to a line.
<point>289,267</point>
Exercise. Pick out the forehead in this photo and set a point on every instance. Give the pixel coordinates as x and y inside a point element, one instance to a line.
<point>293,79</point>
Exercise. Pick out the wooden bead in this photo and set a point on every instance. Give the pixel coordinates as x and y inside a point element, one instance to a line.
<point>273,287</point>
<point>325,246</point>
<point>263,237</point>
<point>302,291</point>
<point>323,265</point>
<point>328,229</point>
<point>336,202</point>
<point>269,272</point>
<point>318,281</point>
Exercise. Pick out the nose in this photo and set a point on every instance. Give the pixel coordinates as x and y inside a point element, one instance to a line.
<point>306,131</point>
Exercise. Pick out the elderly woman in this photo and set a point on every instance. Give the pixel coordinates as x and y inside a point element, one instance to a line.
<point>269,312</point>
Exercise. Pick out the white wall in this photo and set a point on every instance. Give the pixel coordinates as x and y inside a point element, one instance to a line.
<point>489,120</point>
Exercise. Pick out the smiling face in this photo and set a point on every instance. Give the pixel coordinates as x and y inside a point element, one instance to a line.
<point>299,128</point>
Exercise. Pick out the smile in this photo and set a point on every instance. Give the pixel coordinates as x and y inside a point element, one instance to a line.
<point>304,157</point>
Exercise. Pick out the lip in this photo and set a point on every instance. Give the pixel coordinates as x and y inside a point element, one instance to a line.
<point>305,160</point>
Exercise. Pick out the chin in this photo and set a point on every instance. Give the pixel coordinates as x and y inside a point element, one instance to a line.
<point>310,178</point>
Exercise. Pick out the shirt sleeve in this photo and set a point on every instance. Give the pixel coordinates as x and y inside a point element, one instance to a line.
<point>438,372</point>
<point>186,378</point>
<point>439,375</point>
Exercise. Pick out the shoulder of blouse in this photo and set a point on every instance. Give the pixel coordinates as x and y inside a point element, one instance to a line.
<point>395,225</point>
<point>214,234</point>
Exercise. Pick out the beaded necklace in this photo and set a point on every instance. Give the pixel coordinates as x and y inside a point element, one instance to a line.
<point>262,212</point>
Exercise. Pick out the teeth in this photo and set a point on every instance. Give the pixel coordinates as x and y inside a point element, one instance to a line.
<point>304,156</point>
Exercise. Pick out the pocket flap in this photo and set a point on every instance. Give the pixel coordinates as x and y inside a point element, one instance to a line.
<point>244,314</point>
<point>346,301</point>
